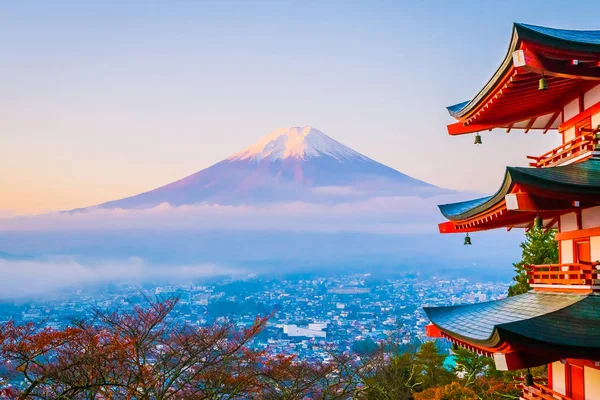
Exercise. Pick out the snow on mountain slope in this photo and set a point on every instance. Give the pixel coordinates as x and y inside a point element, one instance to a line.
<point>299,143</point>
<point>291,164</point>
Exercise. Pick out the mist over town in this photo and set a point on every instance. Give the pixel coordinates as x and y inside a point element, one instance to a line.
<point>300,200</point>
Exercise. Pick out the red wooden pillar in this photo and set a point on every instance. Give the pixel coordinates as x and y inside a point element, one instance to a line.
<point>575,383</point>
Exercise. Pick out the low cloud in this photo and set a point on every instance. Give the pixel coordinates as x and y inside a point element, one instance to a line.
<point>393,214</point>
<point>335,190</point>
<point>27,278</point>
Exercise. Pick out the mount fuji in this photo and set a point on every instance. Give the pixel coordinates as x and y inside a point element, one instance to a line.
<point>295,201</point>
<point>290,164</point>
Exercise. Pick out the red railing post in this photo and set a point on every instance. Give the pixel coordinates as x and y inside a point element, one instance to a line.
<point>538,391</point>
<point>586,142</point>
<point>563,274</point>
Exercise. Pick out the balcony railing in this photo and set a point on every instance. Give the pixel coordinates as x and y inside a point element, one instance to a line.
<point>581,274</point>
<point>580,146</point>
<point>520,381</point>
<point>537,392</point>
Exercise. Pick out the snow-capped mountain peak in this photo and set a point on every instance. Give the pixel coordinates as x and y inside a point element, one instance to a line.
<point>291,164</point>
<point>296,142</point>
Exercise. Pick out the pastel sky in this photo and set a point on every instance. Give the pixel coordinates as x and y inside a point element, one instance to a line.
<point>101,101</point>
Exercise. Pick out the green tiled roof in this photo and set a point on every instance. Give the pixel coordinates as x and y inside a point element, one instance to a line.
<point>559,319</point>
<point>566,39</point>
<point>580,178</point>
<point>456,209</point>
<point>577,325</point>
<point>586,41</point>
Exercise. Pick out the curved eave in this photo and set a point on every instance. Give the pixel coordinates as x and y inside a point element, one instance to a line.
<point>453,210</point>
<point>559,325</point>
<point>491,344</point>
<point>569,41</point>
<point>459,112</point>
<point>579,181</point>
<point>456,108</point>
<point>461,211</point>
<point>531,316</point>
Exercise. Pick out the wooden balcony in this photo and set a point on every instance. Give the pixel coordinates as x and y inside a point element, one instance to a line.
<point>580,148</point>
<point>520,381</point>
<point>540,392</point>
<point>560,276</point>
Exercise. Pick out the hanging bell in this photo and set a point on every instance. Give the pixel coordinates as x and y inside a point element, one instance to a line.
<point>538,223</point>
<point>467,240</point>
<point>478,139</point>
<point>543,84</point>
<point>528,378</point>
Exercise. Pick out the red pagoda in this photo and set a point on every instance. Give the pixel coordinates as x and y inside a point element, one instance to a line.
<point>549,80</point>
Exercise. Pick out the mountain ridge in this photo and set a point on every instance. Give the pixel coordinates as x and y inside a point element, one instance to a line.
<point>288,164</point>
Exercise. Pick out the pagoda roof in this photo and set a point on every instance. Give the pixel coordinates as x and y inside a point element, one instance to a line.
<point>564,183</point>
<point>461,210</point>
<point>511,98</point>
<point>562,320</point>
<point>568,39</point>
<point>577,178</point>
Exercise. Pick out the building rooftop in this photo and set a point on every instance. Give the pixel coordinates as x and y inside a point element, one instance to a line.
<point>563,183</point>
<point>568,322</point>
<point>568,59</point>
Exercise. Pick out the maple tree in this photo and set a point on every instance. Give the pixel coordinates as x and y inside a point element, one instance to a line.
<point>144,354</point>
<point>138,354</point>
<point>451,391</point>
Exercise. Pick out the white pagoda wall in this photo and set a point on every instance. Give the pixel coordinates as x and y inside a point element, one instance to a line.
<point>569,134</point>
<point>566,251</point>
<point>568,222</point>
<point>591,97</point>
<point>595,120</point>
<point>591,380</point>
<point>558,378</point>
<point>595,248</point>
<point>590,217</point>
<point>571,109</point>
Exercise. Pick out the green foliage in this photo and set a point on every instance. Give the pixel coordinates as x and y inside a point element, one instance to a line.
<point>539,247</point>
<point>481,375</point>
<point>430,365</point>
<point>395,379</point>
<point>470,365</point>
<point>452,391</point>
<point>404,374</point>
<point>496,388</point>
